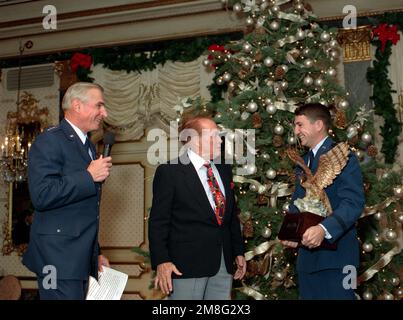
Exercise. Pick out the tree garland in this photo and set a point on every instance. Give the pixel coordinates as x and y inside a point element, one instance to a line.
<point>379,78</point>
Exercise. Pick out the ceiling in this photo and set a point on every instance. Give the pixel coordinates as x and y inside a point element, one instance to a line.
<point>88,23</point>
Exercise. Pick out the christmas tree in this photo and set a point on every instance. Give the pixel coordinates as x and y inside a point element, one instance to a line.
<point>287,58</point>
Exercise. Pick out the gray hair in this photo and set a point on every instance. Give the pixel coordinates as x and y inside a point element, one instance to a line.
<point>78,91</point>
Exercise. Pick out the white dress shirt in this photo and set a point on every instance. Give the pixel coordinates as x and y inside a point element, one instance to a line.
<point>198,163</point>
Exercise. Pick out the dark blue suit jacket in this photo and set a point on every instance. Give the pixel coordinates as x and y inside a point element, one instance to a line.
<point>64,232</point>
<point>346,196</point>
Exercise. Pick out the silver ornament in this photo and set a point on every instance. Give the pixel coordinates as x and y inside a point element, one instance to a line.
<point>253,187</point>
<point>324,36</point>
<point>308,63</point>
<point>359,154</point>
<point>331,72</point>
<point>352,132</point>
<point>249,21</point>
<point>388,296</point>
<point>284,67</point>
<point>343,104</point>
<point>218,116</point>
<point>274,25</point>
<point>367,295</point>
<point>391,235</point>
<point>266,156</point>
<point>279,275</point>
<point>275,9</point>
<point>268,61</point>
<point>268,101</point>
<point>245,115</point>
<point>271,173</point>
<point>333,53</point>
<point>206,62</point>
<point>252,106</point>
<point>237,7</point>
<point>251,169</point>
<point>292,140</point>
<point>319,82</point>
<point>246,64</point>
<point>377,239</point>
<point>226,76</point>
<point>400,218</point>
<point>278,129</point>
<point>286,207</point>
<point>247,47</point>
<point>220,81</point>
<point>306,51</point>
<point>366,137</point>
<point>232,85</point>
<point>395,281</point>
<point>378,216</point>
<point>266,232</point>
<point>271,109</point>
<point>367,247</point>
<point>333,44</point>
<point>398,191</point>
<point>284,85</point>
<point>300,35</point>
<point>308,81</point>
<point>299,7</point>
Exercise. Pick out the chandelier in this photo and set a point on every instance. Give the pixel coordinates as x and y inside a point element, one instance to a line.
<point>21,128</point>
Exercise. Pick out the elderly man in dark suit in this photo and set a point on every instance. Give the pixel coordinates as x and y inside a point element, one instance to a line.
<point>64,180</point>
<point>194,231</point>
<point>321,271</point>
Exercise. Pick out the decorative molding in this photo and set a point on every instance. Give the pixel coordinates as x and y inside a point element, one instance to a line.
<point>356,43</point>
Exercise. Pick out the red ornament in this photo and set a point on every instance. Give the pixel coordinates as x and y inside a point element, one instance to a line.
<point>385,34</point>
<point>80,60</point>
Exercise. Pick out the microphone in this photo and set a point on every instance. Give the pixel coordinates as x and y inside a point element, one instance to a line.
<point>109,140</point>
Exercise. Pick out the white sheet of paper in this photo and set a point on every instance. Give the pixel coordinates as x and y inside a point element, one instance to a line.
<point>110,285</point>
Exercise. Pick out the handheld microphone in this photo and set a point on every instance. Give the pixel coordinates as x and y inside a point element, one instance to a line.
<point>109,140</point>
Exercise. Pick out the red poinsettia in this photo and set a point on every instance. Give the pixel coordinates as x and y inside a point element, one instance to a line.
<point>214,48</point>
<point>385,34</point>
<point>80,60</point>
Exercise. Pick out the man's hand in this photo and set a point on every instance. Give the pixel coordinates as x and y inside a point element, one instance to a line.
<point>241,267</point>
<point>163,278</point>
<point>102,261</point>
<point>313,237</point>
<point>100,168</point>
<point>289,244</point>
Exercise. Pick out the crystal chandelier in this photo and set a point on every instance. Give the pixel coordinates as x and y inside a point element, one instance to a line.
<point>22,127</point>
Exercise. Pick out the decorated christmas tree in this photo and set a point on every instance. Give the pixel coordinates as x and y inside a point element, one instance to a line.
<point>287,58</point>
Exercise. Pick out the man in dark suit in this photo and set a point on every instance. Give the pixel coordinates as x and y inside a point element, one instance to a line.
<point>64,180</point>
<point>320,271</point>
<point>194,232</point>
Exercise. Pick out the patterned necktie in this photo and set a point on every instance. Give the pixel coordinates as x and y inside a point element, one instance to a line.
<point>218,196</point>
<point>310,159</point>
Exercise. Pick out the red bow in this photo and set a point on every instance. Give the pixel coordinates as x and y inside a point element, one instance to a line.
<point>215,47</point>
<point>80,60</point>
<point>232,185</point>
<point>386,33</point>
